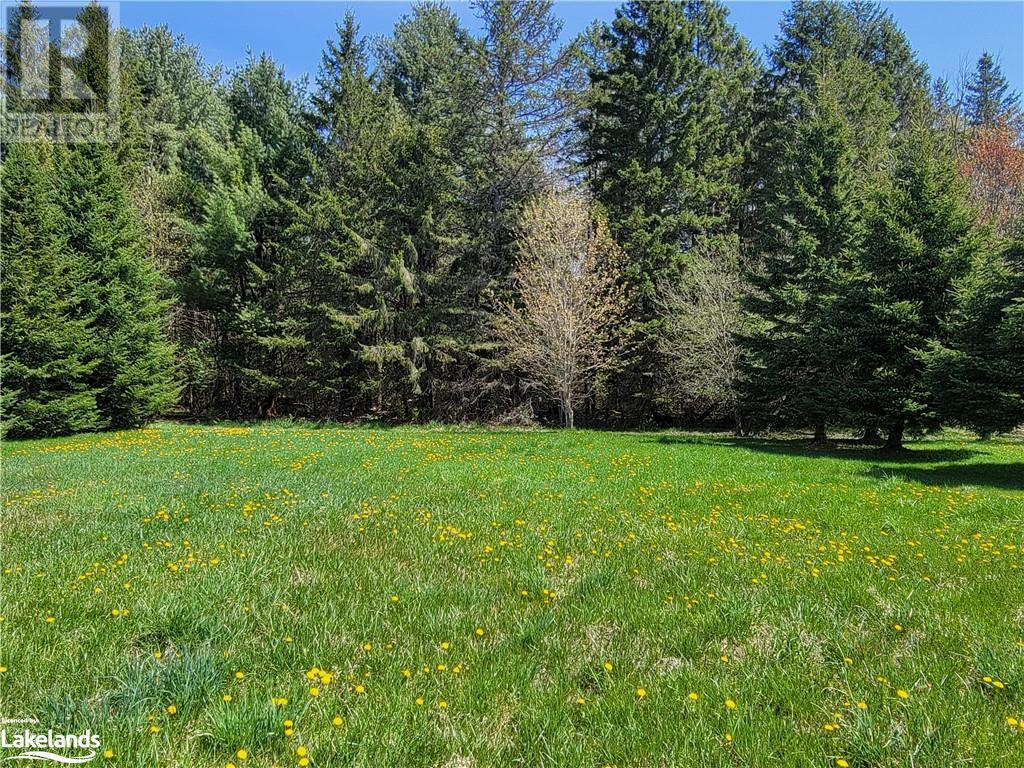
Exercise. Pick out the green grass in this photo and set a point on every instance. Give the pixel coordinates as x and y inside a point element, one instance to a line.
<point>793,583</point>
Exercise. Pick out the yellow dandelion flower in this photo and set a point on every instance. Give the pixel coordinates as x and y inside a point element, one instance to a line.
<point>337,721</point>
<point>242,754</point>
<point>641,693</point>
<point>693,696</point>
<point>608,667</point>
<point>902,693</point>
<point>730,704</point>
<point>172,710</point>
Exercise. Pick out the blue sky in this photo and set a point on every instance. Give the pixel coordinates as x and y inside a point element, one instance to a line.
<point>946,35</point>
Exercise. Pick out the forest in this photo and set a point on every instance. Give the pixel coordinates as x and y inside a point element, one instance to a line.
<point>651,224</point>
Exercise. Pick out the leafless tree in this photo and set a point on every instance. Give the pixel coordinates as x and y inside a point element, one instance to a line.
<point>559,329</point>
<point>702,317</point>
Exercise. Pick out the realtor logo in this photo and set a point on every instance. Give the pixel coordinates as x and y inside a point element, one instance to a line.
<point>61,72</point>
<point>34,745</point>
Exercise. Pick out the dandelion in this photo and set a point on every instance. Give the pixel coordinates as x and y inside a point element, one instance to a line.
<point>693,696</point>
<point>301,752</point>
<point>902,693</point>
<point>227,697</point>
<point>108,753</point>
<point>242,755</point>
<point>172,709</point>
<point>367,647</point>
<point>442,704</point>
<point>862,704</point>
<point>314,691</point>
<point>608,667</point>
<point>1012,722</point>
<point>419,701</point>
<point>337,721</point>
<point>841,763</point>
<point>479,631</point>
<point>154,728</point>
<point>641,693</point>
<point>360,689</point>
<point>730,704</point>
<point>239,675</point>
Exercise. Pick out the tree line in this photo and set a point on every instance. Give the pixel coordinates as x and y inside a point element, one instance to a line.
<point>647,224</point>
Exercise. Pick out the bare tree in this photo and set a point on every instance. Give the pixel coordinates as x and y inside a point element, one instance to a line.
<point>569,298</point>
<point>702,317</point>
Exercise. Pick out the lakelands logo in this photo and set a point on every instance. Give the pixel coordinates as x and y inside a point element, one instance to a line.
<point>39,745</point>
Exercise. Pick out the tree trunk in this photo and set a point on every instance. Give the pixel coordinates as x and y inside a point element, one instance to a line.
<point>871,436</point>
<point>820,435</point>
<point>894,442</point>
<point>570,415</point>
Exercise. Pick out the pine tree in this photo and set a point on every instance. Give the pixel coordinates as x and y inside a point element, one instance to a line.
<point>921,241</point>
<point>989,98</point>
<point>802,358</point>
<point>49,352</point>
<point>135,377</point>
<point>665,137</point>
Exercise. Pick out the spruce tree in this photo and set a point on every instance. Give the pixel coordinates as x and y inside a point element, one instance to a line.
<point>921,241</point>
<point>802,361</point>
<point>49,352</point>
<point>989,98</point>
<point>975,376</point>
<point>135,376</point>
<point>665,136</point>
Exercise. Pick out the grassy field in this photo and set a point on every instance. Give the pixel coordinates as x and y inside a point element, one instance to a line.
<point>278,595</point>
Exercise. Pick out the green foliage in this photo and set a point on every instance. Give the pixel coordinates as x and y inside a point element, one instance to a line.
<point>339,251</point>
<point>921,241</point>
<point>666,131</point>
<point>989,98</point>
<point>135,375</point>
<point>802,357</point>
<point>976,376</point>
<point>49,351</point>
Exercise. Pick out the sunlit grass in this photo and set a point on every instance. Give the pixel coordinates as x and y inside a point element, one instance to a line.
<point>427,597</point>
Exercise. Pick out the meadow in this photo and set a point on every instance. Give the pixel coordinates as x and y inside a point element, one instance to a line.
<point>282,595</point>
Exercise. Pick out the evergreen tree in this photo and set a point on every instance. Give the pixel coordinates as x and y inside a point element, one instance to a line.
<point>976,376</point>
<point>989,98</point>
<point>881,85</point>
<point>665,139</point>
<point>921,241</point>
<point>49,353</point>
<point>802,364</point>
<point>525,113</point>
<point>135,376</point>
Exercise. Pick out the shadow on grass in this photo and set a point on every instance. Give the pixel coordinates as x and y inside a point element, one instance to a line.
<point>918,454</point>
<point>1008,476</point>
